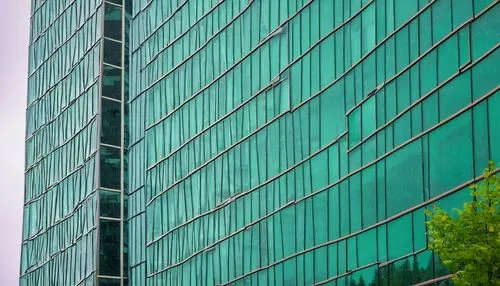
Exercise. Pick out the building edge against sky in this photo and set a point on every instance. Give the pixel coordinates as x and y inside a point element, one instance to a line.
<point>264,142</point>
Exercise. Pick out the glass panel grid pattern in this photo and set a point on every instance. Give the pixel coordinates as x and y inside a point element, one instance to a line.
<point>263,142</point>
<point>72,232</point>
<point>299,142</point>
<point>60,228</point>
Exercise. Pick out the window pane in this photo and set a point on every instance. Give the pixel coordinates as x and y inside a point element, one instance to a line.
<point>354,121</point>
<point>367,247</point>
<point>368,124</point>
<point>111,122</point>
<point>400,237</point>
<point>424,263</point>
<point>404,178</point>
<point>113,22</point>
<point>454,95</point>
<point>485,75</point>
<point>494,116</point>
<point>369,196</point>
<point>109,282</point>
<point>484,34</point>
<point>111,82</point>
<point>110,167</point>
<point>109,248</point>
<point>110,204</point>
<point>450,160</point>
<point>112,52</point>
<point>401,272</point>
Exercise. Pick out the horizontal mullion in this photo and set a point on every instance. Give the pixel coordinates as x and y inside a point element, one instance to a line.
<point>217,33</point>
<point>48,90</point>
<point>63,219</point>
<point>388,220</point>
<point>45,191</point>
<point>52,257</point>
<point>213,124</point>
<point>61,111</point>
<point>235,198</point>
<point>423,97</point>
<point>67,141</point>
<point>294,202</point>
<point>254,49</point>
<point>75,32</point>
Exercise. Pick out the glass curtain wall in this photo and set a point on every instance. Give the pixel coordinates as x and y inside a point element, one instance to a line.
<point>112,260</point>
<point>59,244</point>
<point>74,231</point>
<point>299,142</point>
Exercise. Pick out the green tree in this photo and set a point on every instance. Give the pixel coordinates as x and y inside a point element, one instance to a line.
<point>468,242</point>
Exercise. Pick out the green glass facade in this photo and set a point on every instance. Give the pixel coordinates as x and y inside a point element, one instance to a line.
<point>299,142</point>
<point>74,231</point>
<point>263,142</point>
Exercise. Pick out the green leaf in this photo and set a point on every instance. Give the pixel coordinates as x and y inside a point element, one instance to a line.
<point>469,243</point>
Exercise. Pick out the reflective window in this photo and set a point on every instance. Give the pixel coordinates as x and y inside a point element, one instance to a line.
<point>109,248</point>
<point>112,52</point>
<point>111,82</point>
<point>111,122</point>
<point>110,204</point>
<point>450,154</point>
<point>112,22</point>
<point>108,282</point>
<point>110,167</point>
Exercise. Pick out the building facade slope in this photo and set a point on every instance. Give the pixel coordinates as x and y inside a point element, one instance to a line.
<point>299,142</point>
<point>73,226</point>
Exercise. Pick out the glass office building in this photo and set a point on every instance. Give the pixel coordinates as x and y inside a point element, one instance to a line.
<point>262,142</point>
<point>74,230</point>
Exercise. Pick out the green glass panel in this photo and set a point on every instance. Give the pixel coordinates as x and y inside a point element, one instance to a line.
<point>367,247</point>
<point>403,272</point>
<point>109,248</point>
<point>454,95</point>
<point>450,154</point>
<point>112,52</point>
<point>109,282</point>
<point>404,178</point>
<point>369,121</point>
<point>480,136</point>
<point>424,264</point>
<point>355,203</point>
<point>484,34</point>
<point>112,22</point>
<point>110,167</point>
<point>404,10</point>
<point>111,122</point>
<point>369,196</point>
<point>399,237</point>
<point>419,230</point>
<point>430,108</point>
<point>352,253</point>
<point>111,82</point>
<point>494,129</point>
<point>441,20</point>
<point>110,204</point>
<point>484,78</point>
<point>354,120</point>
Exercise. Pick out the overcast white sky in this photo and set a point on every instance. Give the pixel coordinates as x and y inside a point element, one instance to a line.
<point>14,29</point>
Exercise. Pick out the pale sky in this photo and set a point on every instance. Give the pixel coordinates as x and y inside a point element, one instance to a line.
<point>14,29</point>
